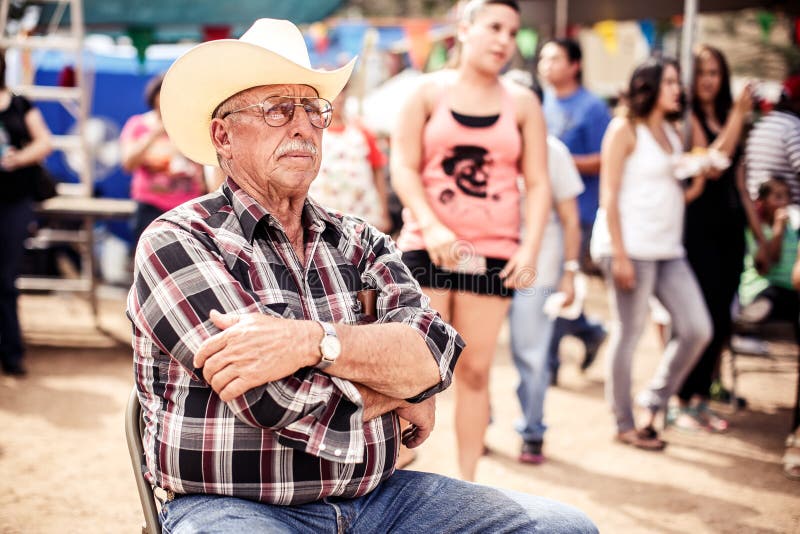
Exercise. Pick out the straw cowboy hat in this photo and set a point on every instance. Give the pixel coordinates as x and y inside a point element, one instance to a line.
<point>271,52</point>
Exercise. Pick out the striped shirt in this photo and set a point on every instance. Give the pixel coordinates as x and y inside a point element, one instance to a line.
<point>773,149</point>
<point>293,440</point>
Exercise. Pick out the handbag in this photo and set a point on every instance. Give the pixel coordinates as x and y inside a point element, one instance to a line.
<point>44,185</point>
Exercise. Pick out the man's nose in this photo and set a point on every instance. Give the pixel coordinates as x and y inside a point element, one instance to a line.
<point>300,122</point>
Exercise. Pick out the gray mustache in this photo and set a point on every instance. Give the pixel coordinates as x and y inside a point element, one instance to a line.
<point>296,145</point>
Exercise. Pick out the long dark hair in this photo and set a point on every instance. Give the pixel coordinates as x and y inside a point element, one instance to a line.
<point>152,90</point>
<point>723,101</point>
<point>645,85</point>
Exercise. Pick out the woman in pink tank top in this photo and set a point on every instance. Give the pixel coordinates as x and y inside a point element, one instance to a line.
<point>462,140</point>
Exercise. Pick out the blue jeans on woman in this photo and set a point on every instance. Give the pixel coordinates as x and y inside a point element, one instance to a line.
<point>531,330</point>
<point>409,501</point>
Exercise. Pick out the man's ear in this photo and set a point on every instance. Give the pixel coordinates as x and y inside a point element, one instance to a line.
<point>221,137</point>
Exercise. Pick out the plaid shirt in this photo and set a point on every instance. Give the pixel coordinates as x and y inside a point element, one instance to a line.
<point>293,440</point>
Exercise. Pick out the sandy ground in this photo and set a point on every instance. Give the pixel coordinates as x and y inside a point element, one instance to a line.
<point>64,465</point>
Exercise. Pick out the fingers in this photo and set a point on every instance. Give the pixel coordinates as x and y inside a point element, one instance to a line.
<point>414,436</point>
<point>217,342</point>
<point>235,388</point>
<point>508,268</point>
<point>223,320</point>
<point>208,348</point>
<point>218,380</point>
<point>213,365</point>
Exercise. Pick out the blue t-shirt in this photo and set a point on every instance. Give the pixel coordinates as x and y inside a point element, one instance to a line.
<point>579,121</point>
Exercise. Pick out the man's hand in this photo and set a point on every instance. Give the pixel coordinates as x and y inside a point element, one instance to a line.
<point>422,417</point>
<point>251,350</point>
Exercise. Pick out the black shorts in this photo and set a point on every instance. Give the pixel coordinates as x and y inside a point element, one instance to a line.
<point>429,275</point>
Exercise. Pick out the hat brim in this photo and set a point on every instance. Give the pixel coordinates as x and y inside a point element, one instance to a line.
<point>205,76</point>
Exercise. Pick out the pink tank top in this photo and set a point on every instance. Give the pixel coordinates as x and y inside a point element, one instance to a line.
<point>470,180</point>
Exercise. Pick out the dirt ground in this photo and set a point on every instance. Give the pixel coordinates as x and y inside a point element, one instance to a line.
<point>64,464</point>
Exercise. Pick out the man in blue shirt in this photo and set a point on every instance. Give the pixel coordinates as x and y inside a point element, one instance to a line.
<point>579,119</point>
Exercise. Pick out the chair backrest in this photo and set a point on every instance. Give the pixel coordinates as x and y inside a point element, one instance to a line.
<point>134,429</point>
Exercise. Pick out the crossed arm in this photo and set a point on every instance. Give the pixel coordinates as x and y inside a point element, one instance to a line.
<point>261,363</point>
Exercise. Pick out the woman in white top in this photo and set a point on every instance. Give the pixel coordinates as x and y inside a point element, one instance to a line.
<point>638,241</point>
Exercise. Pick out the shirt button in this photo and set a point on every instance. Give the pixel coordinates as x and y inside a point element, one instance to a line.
<point>337,452</point>
<point>322,447</point>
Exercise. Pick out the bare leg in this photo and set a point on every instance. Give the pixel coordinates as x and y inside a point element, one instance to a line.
<point>441,301</point>
<point>478,319</point>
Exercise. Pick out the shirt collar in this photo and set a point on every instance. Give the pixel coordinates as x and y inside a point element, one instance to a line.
<point>250,213</point>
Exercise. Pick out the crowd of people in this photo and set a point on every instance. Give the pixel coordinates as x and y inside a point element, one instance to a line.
<point>267,313</point>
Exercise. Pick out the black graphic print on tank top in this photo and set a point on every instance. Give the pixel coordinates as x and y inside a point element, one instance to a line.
<point>468,164</point>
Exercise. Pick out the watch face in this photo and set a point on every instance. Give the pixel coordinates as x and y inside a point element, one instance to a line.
<point>330,347</point>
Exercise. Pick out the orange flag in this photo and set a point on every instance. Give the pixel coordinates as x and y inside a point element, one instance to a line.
<point>419,42</point>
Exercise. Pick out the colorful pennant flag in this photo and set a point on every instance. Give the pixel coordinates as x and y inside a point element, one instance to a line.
<point>607,30</point>
<point>527,40</point>
<point>419,42</point>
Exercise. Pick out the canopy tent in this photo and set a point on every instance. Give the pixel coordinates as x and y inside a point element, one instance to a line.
<point>124,13</point>
<point>553,16</point>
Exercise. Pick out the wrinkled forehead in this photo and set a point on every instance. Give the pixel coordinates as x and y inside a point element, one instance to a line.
<point>259,93</point>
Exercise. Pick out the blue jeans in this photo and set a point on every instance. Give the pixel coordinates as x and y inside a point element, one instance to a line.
<point>409,501</point>
<point>583,328</point>
<point>531,330</point>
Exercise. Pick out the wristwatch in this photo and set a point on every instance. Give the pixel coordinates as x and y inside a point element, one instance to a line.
<point>329,348</point>
<point>572,266</point>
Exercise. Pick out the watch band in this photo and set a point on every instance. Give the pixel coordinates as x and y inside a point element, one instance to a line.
<point>327,359</point>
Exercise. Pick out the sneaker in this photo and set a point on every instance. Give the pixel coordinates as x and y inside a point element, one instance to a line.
<point>593,346</point>
<point>531,452</point>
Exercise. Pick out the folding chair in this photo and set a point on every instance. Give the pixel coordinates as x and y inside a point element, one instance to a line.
<point>134,429</point>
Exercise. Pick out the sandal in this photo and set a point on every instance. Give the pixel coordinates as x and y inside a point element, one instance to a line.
<point>686,419</point>
<point>645,439</point>
<point>711,420</point>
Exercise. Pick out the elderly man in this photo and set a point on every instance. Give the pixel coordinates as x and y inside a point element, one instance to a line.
<point>270,389</point>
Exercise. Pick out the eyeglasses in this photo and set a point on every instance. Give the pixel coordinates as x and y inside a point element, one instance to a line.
<point>279,110</point>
